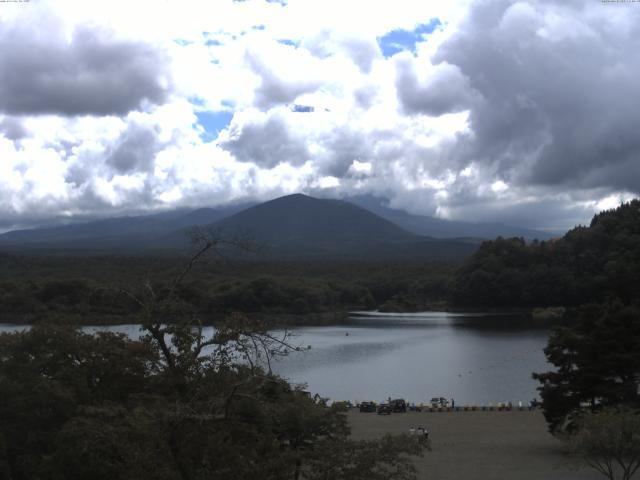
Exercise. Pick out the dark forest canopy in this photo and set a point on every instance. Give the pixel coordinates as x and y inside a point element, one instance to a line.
<point>594,270</point>
<point>34,287</point>
<point>597,360</point>
<point>588,264</point>
<point>80,406</point>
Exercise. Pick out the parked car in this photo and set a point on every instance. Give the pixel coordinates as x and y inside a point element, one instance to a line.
<point>384,409</point>
<point>398,405</point>
<point>437,402</point>
<point>367,407</point>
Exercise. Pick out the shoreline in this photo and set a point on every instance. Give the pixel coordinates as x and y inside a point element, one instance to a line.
<point>335,317</point>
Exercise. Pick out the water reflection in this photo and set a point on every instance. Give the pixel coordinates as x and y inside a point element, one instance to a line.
<point>474,358</point>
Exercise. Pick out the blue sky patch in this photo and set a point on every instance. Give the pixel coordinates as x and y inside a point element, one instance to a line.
<point>401,40</point>
<point>213,123</point>
<point>302,108</point>
<point>286,41</point>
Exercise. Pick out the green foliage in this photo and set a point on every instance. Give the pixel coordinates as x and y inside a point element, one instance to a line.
<point>588,264</point>
<point>609,442</point>
<point>48,373</point>
<point>34,288</point>
<point>597,360</point>
<point>78,406</point>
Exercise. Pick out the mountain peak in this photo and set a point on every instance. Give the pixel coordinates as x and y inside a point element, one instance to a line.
<point>293,197</point>
<point>300,216</point>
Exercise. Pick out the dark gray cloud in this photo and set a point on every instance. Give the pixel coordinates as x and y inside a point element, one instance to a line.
<point>558,84</point>
<point>446,89</point>
<point>135,150</point>
<point>553,212</point>
<point>12,128</point>
<point>266,143</point>
<point>41,72</point>
<point>343,147</point>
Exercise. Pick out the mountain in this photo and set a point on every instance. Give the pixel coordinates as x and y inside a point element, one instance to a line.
<point>291,227</point>
<point>115,233</point>
<point>299,226</point>
<point>439,228</point>
<point>299,218</point>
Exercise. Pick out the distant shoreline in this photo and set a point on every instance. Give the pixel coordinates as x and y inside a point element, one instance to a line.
<point>338,317</point>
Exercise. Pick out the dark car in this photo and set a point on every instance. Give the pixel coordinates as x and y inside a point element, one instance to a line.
<point>367,407</point>
<point>384,409</point>
<point>398,405</point>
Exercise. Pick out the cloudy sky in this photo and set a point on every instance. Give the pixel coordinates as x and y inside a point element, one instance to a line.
<point>521,112</point>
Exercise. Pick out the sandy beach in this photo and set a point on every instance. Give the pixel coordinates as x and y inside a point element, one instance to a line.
<point>479,445</point>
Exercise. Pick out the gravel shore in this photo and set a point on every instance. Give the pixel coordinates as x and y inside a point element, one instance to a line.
<point>479,445</point>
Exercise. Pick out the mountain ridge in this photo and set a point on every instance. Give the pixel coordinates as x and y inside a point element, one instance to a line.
<point>297,227</point>
<point>292,226</point>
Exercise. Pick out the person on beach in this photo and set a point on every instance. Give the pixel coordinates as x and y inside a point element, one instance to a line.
<point>453,404</point>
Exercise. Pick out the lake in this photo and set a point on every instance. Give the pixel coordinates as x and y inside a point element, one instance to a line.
<point>473,358</point>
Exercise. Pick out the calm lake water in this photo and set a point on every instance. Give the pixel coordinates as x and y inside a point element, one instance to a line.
<point>471,358</point>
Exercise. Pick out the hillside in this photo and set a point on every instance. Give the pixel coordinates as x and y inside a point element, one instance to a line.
<point>298,217</point>
<point>588,264</point>
<point>298,226</point>
<point>293,227</point>
<point>135,232</point>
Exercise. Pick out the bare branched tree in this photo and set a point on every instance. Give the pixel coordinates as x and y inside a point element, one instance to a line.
<point>609,442</point>
<point>176,329</point>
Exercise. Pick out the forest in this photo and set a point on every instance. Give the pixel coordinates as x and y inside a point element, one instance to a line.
<point>592,263</point>
<point>90,288</point>
<point>174,404</point>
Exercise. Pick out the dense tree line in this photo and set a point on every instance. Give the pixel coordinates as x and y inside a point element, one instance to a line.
<point>595,351</point>
<point>33,288</point>
<point>588,264</point>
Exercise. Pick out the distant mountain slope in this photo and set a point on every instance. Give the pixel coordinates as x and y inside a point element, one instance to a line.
<point>119,232</point>
<point>291,227</point>
<point>439,228</point>
<point>298,226</point>
<point>298,217</point>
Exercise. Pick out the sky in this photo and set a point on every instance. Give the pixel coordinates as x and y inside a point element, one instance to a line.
<point>488,110</point>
